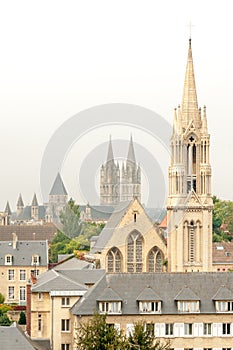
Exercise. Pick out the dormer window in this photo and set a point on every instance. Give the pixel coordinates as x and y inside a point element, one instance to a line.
<point>110,307</point>
<point>188,306</point>
<point>224,306</point>
<point>151,307</point>
<point>35,260</point>
<point>8,259</point>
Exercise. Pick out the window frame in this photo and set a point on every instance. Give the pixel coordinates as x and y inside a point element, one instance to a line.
<point>207,329</point>
<point>110,307</point>
<point>186,306</point>
<point>188,329</point>
<point>226,329</point>
<point>10,258</point>
<point>11,275</point>
<point>65,325</point>
<point>22,272</point>
<point>13,288</point>
<point>150,306</point>
<point>169,329</point>
<point>66,301</point>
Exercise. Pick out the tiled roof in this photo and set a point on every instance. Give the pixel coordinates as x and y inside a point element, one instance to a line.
<point>22,255</point>
<point>28,232</point>
<point>148,294</point>
<point>166,285</point>
<point>222,252</point>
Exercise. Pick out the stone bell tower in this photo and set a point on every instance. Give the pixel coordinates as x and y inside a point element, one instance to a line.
<point>189,204</point>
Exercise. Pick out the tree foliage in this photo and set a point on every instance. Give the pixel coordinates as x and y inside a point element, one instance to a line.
<point>222,220</point>
<point>2,298</point>
<point>22,318</point>
<point>97,334</point>
<point>70,219</point>
<point>4,320</point>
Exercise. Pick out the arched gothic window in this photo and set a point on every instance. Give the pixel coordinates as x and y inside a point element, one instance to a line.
<point>134,252</point>
<point>155,260</point>
<point>114,260</point>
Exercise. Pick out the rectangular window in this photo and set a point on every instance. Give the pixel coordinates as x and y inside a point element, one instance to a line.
<point>150,306</point>
<point>110,307</point>
<point>11,275</point>
<point>226,328</point>
<point>35,273</point>
<point>22,293</point>
<point>188,329</point>
<point>65,301</point>
<point>207,328</point>
<point>40,296</point>
<point>150,328</point>
<point>11,293</point>
<point>8,259</point>
<point>65,325</point>
<point>224,306</point>
<point>169,329</point>
<point>22,275</point>
<point>65,346</point>
<point>188,306</point>
<point>39,323</point>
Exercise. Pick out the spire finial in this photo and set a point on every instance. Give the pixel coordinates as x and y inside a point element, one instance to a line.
<point>190,25</point>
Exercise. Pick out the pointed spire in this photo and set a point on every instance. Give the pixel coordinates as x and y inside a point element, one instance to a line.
<point>20,202</point>
<point>110,151</point>
<point>174,131</point>
<point>58,187</point>
<point>34,201</point>
<point>204,122</point>
<point>8,209</point>
<point>189,101</point>
<point>131,155</point>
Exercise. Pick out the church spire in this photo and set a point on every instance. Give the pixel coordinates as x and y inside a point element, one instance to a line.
<point>110,151</point>
<point>189,101</point>
<point>131,155</point>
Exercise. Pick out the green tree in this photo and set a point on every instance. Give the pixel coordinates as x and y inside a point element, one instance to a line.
<point>70,219</point>
<point>2,298</point>
<point>97,334</point>
<point>143,338</point>
<point>222,216</point>
<point>4,320</point>
<point>22,318</point>
<point>57,246</point>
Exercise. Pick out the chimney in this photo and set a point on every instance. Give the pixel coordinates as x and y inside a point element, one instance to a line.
<point>15,240</point>
<point>28,308</point>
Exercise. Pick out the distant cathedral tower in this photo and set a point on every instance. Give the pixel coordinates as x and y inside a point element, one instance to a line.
<point>116,186</point>
<point>130,177</point>
<point>189,205</point>
<point>110,180</point>
<point>58,197</point>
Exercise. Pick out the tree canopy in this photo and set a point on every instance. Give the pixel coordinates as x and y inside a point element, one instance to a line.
<point>222,220</point>
<point>98,334</point>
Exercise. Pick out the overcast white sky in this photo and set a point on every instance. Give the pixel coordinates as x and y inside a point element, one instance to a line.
<point>60,57</point>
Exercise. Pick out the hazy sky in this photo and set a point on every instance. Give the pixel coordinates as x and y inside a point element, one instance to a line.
<point>61,57</point>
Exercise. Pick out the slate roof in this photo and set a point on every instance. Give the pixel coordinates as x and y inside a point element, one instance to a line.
<point>109,228</point>
<point>109,295</point>
<point>98,212</point>
<point>28,232</point>
<point>73,264</point>
<point>61,280</point>
<point>22,255</point>
<point>186,294</point>
<point>58,187</point>
<point>12,338</point>
<point>223,293</point>
<point>26,213</point>
<point>34,201</point>
<point>8,209</point>
<point>20,201</point>
<point>148,294</point>
<point>166,285</point>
